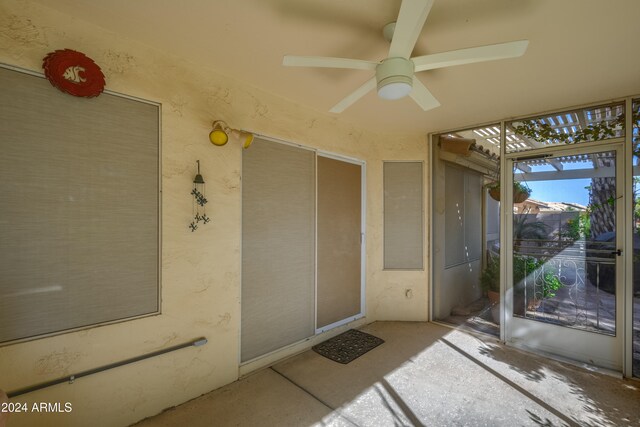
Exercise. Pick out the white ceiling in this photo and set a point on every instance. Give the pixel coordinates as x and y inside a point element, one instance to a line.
<point>580,51</point>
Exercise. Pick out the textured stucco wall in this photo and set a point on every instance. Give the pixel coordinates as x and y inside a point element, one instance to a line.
<point>201,270</point>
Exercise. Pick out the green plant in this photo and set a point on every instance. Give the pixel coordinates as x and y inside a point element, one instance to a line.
<point>517,186</point>
<point>519,189</point>
<point>577,228</point>
<point>525,266</point>
<point>523,229</point>
<point>490,277</point>
<point>550,284</point>
<point>540,131</point>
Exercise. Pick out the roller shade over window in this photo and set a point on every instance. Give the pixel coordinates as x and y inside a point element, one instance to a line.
<point>278,247</point>
<point>403,215</point>
<point>79,208</point>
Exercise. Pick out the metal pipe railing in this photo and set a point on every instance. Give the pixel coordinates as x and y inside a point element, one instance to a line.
<point>70,379</point>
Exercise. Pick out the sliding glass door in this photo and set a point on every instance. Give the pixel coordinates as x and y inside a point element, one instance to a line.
<point>302,245</point>
<point>339,291</point>
<point>278,247</point>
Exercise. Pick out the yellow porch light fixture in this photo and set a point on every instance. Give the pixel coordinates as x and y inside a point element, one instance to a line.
<point>220,132</point>
<point>247,138</point>
<point>219,135</point>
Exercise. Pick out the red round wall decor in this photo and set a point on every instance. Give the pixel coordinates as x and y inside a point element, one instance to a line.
<point>74,73</point>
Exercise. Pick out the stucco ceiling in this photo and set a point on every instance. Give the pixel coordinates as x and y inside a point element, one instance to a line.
<point>580,51</point>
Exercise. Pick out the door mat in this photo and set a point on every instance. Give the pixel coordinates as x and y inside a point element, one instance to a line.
<point>347,346</point>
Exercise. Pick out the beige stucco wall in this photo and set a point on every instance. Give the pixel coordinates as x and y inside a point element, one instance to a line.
<point>201,270</point>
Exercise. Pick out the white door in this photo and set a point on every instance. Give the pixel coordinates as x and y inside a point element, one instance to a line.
<point>564,293</point>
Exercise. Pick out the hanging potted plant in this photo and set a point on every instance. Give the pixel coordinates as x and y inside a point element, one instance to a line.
<point>521,191</point>
<point>494,190</point>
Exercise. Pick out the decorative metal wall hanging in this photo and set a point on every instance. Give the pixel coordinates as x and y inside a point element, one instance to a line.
<point>199,200</point>
<point>73,73</point>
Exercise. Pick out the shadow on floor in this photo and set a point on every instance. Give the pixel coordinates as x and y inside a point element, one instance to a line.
<point>423,375</point>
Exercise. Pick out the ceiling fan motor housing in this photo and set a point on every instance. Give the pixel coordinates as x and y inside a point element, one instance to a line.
<point>394,77</point>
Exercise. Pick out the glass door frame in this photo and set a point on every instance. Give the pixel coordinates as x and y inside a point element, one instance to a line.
<point>606,350</point>
<point>624,264</point>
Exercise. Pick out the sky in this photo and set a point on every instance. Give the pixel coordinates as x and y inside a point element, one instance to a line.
<point>561,190</point>
<point>570,190</point>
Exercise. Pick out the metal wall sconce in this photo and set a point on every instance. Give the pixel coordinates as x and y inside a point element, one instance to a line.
<point>220,132</point>
<point>199,200</point>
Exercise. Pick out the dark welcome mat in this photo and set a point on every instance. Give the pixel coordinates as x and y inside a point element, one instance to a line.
<point>347,346</point>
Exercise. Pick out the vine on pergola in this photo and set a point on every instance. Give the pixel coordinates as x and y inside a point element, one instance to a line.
<point>542,132</point>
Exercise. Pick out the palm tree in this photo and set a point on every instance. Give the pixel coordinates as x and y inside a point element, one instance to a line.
<point>602,196</point>
<point>523,229</point>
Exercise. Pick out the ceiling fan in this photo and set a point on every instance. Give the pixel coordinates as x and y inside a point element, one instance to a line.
<point>394,77</point>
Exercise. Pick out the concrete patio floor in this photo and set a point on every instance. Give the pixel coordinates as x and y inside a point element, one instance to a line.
<point>423,375</point>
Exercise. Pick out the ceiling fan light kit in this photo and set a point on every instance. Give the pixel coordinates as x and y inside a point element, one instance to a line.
<point>394,77</point>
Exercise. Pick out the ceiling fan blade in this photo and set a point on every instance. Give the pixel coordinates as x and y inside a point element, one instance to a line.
<point>413,14</point>
<point>470,55</point>
<point>422,96</point>
<point>327,62</point>
<point>354,96</point>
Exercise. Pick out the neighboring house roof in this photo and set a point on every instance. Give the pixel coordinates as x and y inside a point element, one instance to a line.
<point>552,206</point>
<point>536,203</point>
<point>565,206</point>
